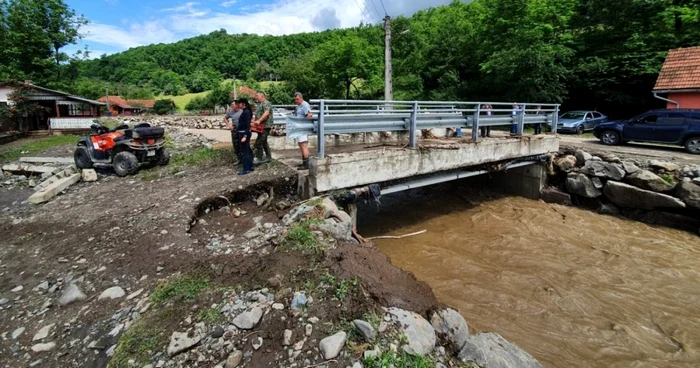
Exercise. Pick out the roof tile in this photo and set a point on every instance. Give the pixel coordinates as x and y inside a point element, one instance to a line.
<point>681,70</point>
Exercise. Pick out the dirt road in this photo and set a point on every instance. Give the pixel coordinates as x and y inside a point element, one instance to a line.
<point>632,150</point>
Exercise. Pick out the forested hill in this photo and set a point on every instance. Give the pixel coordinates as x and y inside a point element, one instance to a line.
<point>200,63</point>
<point>586,53</point>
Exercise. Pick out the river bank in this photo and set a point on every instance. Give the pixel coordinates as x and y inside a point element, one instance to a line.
<point>192,265</point>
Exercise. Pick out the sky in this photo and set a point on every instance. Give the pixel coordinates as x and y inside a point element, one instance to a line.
<point>117,25</point>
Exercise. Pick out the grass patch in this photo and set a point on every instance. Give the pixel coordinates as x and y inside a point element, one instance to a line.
<point>182,101</point>
<point>209,316</point>
<point>138,343</point>
<point>398,360</point>
<point>340,288</point>
<point>36,145</point>
<point>150,176</point>
<point>300,237</point>
<point>203,157</point>
<point>181,287</point>
<point>668,178</point>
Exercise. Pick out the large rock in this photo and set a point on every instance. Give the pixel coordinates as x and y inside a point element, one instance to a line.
<point>365,329</point>
<point>689,192</point>
<point>603,170</point>
<point>625,195</point>
<point>648,180</point>
<point>38,348</point>
<point>234,359</point>
<point>451,328</point>
<point>338,230</point>
<point>630,168</point>
<point>89,175</point>
<point>490,350</point>
<point>582,185</point>
<point>661,165</point>
<point>180,341</point>
<point>566,163</point>
<point>419,333</point>
<point>115,292</point>
<point>71,294</point>
<point>43,332</point>
<point>332,345</point>
<point>248,319</point>
<point>554,195</point>
<point>582,157</point>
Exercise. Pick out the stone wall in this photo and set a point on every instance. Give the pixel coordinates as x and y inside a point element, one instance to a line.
<point>652,191</point>
<point>189,122</point>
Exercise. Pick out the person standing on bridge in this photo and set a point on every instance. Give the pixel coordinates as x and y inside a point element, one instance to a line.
<point>231,121</point>
<point>486,131</point>
<point>243,135</point>
<point>264,117</point>
<point>303,110</point>
<point>538,126</point>
<point>514,124</point>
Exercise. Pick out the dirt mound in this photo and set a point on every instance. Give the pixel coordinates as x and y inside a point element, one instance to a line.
<point>389,285</point>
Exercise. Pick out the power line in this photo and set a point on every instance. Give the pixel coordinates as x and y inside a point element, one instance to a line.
<point>364,12</point>
<point>376,9</point>
<point>382,2</point>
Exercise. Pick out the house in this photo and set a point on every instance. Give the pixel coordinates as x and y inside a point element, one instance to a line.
<point>141,104</point>
<point>60,109</point>
<point>119,106</point>
<point>679,79</point>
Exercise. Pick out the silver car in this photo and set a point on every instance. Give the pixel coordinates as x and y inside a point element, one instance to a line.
<point>580,121</point>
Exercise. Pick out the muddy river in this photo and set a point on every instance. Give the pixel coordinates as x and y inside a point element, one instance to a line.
<point>573,288</point>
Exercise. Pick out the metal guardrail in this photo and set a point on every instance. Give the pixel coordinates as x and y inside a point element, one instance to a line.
<point>366,116</point>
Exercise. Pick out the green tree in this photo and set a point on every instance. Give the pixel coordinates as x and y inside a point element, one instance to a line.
<point>197,104</point>
<point>164,106</point>
<point>344,63</point>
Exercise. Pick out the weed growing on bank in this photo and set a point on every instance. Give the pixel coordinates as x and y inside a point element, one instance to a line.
<point>209,316</point>
<point>138,343</point>
<point>203,157</point>
<point>180,288</point>
<point>301,238</point>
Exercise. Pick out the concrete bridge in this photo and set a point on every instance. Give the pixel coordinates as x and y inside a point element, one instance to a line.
<point>403,160</point>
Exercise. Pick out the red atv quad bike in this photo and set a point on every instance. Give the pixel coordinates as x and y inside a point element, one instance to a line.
<point>123,147</point>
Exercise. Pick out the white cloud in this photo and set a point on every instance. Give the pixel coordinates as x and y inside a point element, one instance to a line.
<point>279,18</point>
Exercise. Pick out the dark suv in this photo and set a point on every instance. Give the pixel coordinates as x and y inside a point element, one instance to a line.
<point>670,126</point>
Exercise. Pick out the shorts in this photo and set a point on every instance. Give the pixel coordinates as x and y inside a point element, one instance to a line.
<point>302,139</point>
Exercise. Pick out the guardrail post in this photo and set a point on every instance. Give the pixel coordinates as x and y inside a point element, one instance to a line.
<point>475,124</point>
<point>321,135</point>
<point>521,120</point>
<point>555,119</point>
<point>413,127</point>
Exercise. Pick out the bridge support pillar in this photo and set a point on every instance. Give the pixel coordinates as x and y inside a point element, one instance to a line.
<point>351,209</point>
<point>526,181</point>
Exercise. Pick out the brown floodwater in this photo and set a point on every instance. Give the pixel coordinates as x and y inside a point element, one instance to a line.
<point>571,287</point>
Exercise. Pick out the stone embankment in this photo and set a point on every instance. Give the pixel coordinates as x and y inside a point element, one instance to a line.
<point>651,190</point>
<point>188,122</point>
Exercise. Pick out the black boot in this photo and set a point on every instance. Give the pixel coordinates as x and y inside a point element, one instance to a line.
<point>304,164</point>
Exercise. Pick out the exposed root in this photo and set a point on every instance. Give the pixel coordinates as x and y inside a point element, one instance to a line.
<point>398,236</point>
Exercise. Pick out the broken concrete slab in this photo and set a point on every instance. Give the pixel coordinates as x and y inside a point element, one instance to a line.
<point>28,168</point>
<point>48,160</point>
<point>54,178</point>
<point>53,189</point>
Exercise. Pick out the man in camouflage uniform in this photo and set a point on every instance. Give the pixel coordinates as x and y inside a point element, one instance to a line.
<point>264,117</point>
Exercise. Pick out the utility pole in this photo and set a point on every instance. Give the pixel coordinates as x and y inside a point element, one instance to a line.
<point>234,89</point>
<point>388,88</point>
<point>109,112</point>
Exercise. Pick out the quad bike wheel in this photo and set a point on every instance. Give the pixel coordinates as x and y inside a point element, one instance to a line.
<point>163,156</point>
<point>82,158</point>
<point>125,163</point>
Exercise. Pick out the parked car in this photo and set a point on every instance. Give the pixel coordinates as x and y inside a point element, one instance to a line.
<point>672,126</point>
<point>580,121</point>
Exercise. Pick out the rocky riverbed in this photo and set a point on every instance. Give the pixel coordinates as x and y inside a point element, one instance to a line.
<point>648,190</point>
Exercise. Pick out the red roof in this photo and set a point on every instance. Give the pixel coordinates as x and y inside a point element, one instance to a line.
<point>146,104</point>
<point>680,71</point>
<point>116,100</point>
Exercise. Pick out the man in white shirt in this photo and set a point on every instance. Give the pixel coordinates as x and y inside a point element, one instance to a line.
<point>303,110</point>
